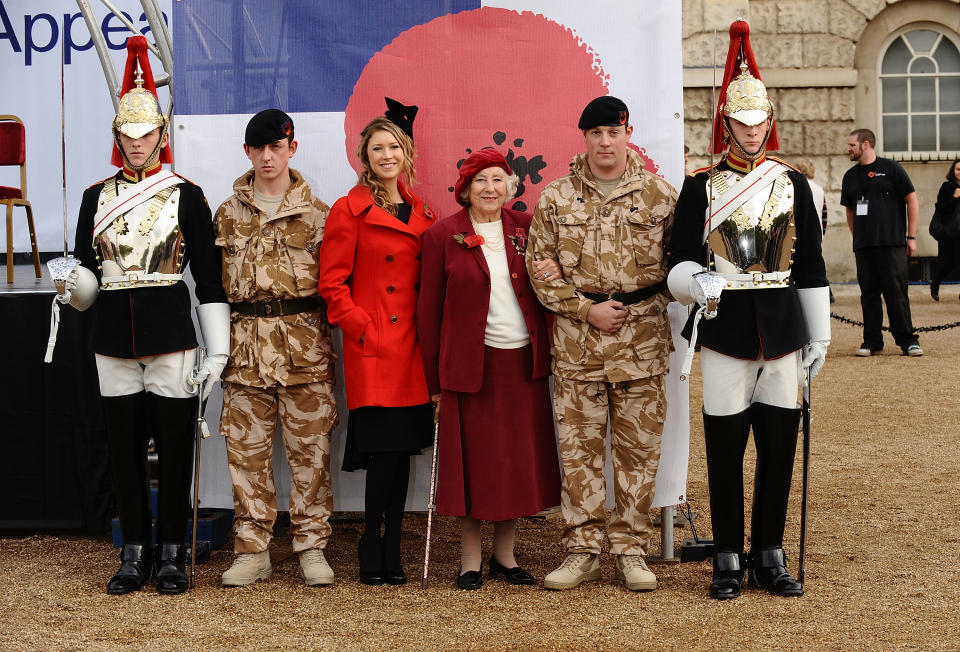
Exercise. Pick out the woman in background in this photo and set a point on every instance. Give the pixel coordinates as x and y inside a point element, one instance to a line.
<point>948,252</point>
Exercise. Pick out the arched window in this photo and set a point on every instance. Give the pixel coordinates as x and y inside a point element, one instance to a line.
<point>920,94</point>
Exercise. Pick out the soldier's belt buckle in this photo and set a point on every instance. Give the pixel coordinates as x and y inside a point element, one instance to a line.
<point>268,309</point>
<point>757,277</point>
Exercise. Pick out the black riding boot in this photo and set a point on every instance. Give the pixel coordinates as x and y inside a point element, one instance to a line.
<point>173,422</point>
<point>393,522</point>
<point>124,418</point>
<point>775,435</point>
<point>725,438</point>
<point>171,568</point>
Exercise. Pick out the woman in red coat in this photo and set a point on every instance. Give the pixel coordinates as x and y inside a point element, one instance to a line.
<point>486,354</point>
<point>369,277</point>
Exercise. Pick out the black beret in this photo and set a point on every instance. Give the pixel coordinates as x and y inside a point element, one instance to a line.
<point>267,127</point>
<point>604,111</point>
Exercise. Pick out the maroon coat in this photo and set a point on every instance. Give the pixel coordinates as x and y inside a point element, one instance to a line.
<point>455,298</point>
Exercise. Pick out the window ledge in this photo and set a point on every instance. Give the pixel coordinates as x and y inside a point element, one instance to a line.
<point>922,156</point>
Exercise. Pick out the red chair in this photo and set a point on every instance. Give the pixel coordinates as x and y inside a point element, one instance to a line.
<point>13,151</point>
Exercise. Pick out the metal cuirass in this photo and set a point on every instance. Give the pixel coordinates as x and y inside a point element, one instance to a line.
<point>757,239</point>
<point>142,247</point>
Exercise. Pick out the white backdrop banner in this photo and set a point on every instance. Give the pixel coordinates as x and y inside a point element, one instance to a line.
<point>514,74</point>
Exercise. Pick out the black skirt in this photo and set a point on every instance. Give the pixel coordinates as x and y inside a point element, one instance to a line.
<point>374,429</point>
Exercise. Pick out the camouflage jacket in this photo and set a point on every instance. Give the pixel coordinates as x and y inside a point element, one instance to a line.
<point>605,245</point>
<point>274,258</point>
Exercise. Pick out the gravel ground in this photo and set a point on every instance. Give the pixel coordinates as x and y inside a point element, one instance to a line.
<point>883,553</point>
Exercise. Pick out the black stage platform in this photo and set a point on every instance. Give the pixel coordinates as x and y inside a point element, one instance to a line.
<point>55,468</point>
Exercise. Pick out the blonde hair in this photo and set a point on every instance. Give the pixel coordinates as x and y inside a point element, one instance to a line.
<point>367,178</point>
<point>806,167</point>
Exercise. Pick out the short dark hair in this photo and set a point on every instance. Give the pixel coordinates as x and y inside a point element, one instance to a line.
<point>950,175</point>
<point>865,135</point>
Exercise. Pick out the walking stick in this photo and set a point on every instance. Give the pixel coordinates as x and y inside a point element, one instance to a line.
<point>805,473</point>
<point>200,432</point>
<point>431,504</point>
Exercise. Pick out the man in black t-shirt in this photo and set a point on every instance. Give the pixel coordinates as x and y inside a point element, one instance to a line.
<point>882,211</point>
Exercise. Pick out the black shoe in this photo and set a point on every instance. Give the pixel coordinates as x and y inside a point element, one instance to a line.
<point>136,569</point>
<point>935,291</point>
<point>395,577</point>
<point>768,570</point>
<point>370,557</point>
<point>515,575</point>
<point>469,581</point>
<point>727,576</point>
<point>171,571</point>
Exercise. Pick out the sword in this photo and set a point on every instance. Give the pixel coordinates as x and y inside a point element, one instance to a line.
<point>201,432</point>
<point>431,504</point>
<point>805,473</point>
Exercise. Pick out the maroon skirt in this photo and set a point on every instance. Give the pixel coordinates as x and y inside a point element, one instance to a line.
<point>497,456</point>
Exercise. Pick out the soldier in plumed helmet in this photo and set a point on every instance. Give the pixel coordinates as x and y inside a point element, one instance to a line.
<point>751,219</point>
<point>137,232</point>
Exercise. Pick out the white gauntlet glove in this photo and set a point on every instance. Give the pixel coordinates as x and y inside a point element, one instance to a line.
<point>215,329</point>
<point>816,313</point>
<point>80,288</point>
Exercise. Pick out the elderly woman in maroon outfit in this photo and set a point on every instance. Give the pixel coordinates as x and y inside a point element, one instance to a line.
<point>486,359</point>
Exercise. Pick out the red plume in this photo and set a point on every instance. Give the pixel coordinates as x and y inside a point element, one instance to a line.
<point>740,50</point>
<point>137,50</point>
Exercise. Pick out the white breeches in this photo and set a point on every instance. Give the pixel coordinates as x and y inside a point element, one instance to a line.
<point>730,385</point>
<point>163,375</point>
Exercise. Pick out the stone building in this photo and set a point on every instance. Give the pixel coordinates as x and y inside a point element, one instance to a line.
<point>832,66</point>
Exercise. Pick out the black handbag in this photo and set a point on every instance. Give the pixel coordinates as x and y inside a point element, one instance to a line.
<point>945,227</point>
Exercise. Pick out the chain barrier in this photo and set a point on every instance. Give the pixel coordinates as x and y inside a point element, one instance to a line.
<point>921,329</point>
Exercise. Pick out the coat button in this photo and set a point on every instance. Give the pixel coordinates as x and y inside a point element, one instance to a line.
<point>390,289</point>
<point>268,232</point>
<point>606,212</point>
<point>514,275</point>
<point>562,219</point>
<point>232,249</point>
<point>311,247</point>
<point>394,319</point>
<point>389,258</point>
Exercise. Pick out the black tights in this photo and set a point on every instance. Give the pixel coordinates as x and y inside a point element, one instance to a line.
<point>386,495</point>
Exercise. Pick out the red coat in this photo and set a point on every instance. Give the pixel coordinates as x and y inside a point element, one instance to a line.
<point>455,298</point>
<point>369,278</point>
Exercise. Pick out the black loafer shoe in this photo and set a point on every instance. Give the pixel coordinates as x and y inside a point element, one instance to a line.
<point>727,576</point>
<point>469,581</point>
<point>136,569</point>
<point>171,570</point>
<point>395,577</point>
<point>515,575</point>
<point>768,570</point>
<point>935,291</point>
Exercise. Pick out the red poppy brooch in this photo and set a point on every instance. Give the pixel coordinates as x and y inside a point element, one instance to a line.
<point>519,240</point>
<point>468,241</point>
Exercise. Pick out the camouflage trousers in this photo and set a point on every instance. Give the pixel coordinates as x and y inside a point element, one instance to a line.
<point>636,410</point>
<point>308,414</point>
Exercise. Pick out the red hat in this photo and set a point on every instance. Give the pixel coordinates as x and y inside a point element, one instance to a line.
<point>138,52</point>
<point>740,52</point>
<point>476,162</point>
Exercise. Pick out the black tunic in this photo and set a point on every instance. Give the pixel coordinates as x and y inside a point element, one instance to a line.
<point>752,324</point>
<point>146,321</point>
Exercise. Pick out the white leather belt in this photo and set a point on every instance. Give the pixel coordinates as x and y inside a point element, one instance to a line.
<point>138,279</point>
<point>756,280</point>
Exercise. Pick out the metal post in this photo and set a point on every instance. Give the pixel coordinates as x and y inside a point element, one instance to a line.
<point>666,533</point>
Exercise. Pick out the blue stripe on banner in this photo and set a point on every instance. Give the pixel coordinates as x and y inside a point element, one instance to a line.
<point>298,55</point>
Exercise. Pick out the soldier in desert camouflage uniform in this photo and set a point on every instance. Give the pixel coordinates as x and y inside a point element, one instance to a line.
<point>606,222</point>
<point>281,358</point>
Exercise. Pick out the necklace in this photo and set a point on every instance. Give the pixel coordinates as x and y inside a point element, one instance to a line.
<point>493,242</point>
